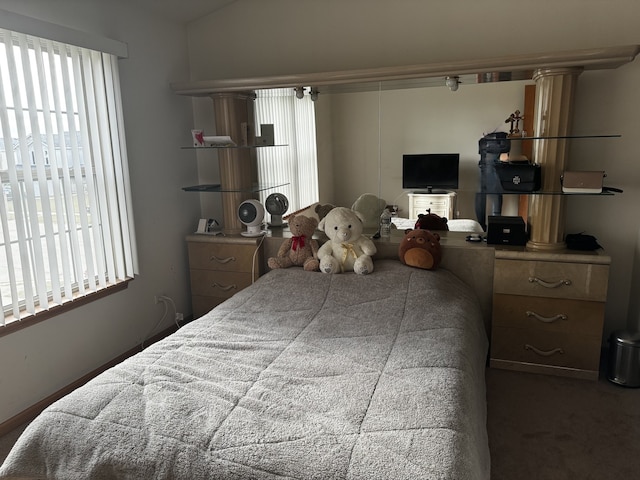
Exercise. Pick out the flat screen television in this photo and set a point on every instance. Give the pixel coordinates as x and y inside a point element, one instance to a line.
<point>430,171</point>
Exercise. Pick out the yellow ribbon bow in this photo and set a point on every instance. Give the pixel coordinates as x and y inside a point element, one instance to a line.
<point>347,249</point>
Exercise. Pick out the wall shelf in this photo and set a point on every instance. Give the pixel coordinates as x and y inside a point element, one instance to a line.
<point>218,147</point>
<point>563,137</point>
<point>217,188</point>
<point>603,193</point>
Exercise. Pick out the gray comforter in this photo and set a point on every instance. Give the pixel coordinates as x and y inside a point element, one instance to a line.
<point>301,376</point>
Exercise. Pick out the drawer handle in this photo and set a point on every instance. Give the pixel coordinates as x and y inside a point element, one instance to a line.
<point>225,288</point>
<point>549,284</point>
<point>222,260</point>
<point>560,316</point>
<point>543,353</point>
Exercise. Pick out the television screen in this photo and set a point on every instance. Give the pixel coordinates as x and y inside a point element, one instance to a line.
<point>429,171</point>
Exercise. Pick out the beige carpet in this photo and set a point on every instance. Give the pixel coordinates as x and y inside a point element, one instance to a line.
<point>550,428</point>
<point>553,428</point>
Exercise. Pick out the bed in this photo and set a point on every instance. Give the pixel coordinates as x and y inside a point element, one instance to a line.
<point>454,224</point>
<point>302,375</point>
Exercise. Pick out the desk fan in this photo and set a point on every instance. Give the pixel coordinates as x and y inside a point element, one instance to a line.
<point>251,214</point>
<point>276,204</point>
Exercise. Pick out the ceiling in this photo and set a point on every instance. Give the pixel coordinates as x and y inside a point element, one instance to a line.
<point>184,11</point>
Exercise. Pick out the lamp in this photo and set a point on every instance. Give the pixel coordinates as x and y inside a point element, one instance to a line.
<point>299,92</point>
<point>314,94</point>
<point>452,83</point>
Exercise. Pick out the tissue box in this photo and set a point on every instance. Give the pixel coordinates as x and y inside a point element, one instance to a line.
<point>506,230</point>
<point>582,181</point>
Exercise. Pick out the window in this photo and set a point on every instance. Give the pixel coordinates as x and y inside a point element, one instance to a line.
<point>66,222</point>
<point>296,162</point>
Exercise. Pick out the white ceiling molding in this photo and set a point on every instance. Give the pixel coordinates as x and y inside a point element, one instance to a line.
<point>589,59</point>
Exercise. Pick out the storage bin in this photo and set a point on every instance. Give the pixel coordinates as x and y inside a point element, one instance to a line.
<point>624,358</point>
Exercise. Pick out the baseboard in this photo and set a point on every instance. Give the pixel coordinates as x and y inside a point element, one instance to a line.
<point>34,410</point>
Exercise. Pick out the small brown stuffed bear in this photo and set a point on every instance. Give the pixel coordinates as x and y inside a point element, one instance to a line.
<point>322,210</point>
<point>431,221</point>
<point>300,250</point>
<point>420,248</point>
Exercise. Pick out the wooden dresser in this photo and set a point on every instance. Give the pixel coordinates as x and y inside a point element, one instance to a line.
<point>220,266</point>
<point>548,312</point>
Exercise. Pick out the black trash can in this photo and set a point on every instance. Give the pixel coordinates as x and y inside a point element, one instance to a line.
<point>624,358</point>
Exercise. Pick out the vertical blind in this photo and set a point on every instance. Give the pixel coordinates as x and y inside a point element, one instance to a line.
<point>67,224</point>
<point>296,161</point>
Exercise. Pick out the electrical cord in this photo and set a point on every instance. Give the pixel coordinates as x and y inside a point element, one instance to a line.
<point>165,301</point>
<point>253,261</point>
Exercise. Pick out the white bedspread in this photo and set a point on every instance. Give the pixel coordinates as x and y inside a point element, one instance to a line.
<point>454,224</point>
<point>301,376</point>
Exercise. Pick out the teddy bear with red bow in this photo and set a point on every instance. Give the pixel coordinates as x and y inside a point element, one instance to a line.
<point>301,250</point>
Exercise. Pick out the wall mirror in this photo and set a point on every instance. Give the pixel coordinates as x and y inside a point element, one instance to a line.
<point>367,119</point>
<point>363,131</point>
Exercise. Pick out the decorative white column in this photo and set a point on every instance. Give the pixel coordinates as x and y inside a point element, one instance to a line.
<point>235,164</point>
<point>555,93</point>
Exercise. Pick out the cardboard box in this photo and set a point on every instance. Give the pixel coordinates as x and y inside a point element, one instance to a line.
<point>503,230</point>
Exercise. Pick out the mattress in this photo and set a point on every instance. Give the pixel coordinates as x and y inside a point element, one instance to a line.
<point>303,375</point>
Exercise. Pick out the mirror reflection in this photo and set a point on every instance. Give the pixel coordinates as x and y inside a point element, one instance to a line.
<point>364,133</point>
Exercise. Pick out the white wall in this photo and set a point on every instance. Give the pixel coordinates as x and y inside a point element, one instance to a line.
<point>255,38</point>
<point>38,360</point>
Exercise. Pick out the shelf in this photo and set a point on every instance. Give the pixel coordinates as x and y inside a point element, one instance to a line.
<point>218,147</point>
<point>603,193</point>
<point>564,137</point>
<point>217,188</point>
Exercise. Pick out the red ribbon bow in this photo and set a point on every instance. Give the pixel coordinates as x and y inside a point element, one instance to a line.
<point>298,241</point>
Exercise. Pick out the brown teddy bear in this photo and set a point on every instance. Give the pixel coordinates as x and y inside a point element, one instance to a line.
<point>322,210</point>
<point>431,221</point>
<point>300,250</point>
<point>420,248</point>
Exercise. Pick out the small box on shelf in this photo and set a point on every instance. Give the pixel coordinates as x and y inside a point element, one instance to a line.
<point>502,230</point>
<point>267,136</point>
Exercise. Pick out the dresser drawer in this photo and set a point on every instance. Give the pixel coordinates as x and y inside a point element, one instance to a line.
<point>560,349</point>
<point>222,257</point>
<point>438,201</point>
<point>581,281</point>
<point>548,314</point>
<point>211,283</point>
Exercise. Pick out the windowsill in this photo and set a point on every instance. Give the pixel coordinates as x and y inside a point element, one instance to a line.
<point>12,325</point>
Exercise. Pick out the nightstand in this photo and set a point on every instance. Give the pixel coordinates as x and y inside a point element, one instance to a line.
<point>441,204</point>
<point>220,266</point>
<point>548,312</point>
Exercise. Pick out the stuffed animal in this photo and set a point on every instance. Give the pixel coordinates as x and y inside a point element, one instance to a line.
<point>347,249</point>
<point>315,210</point>
<point>300,250</point>
<point>322,210</point>
<point>431,221</point>
<point>370,207</point>
<point>420,248</point>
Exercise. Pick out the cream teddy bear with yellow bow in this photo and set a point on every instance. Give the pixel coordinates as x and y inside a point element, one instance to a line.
<point>347,249</point>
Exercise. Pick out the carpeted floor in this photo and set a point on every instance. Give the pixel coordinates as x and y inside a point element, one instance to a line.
<point>550,428</point>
